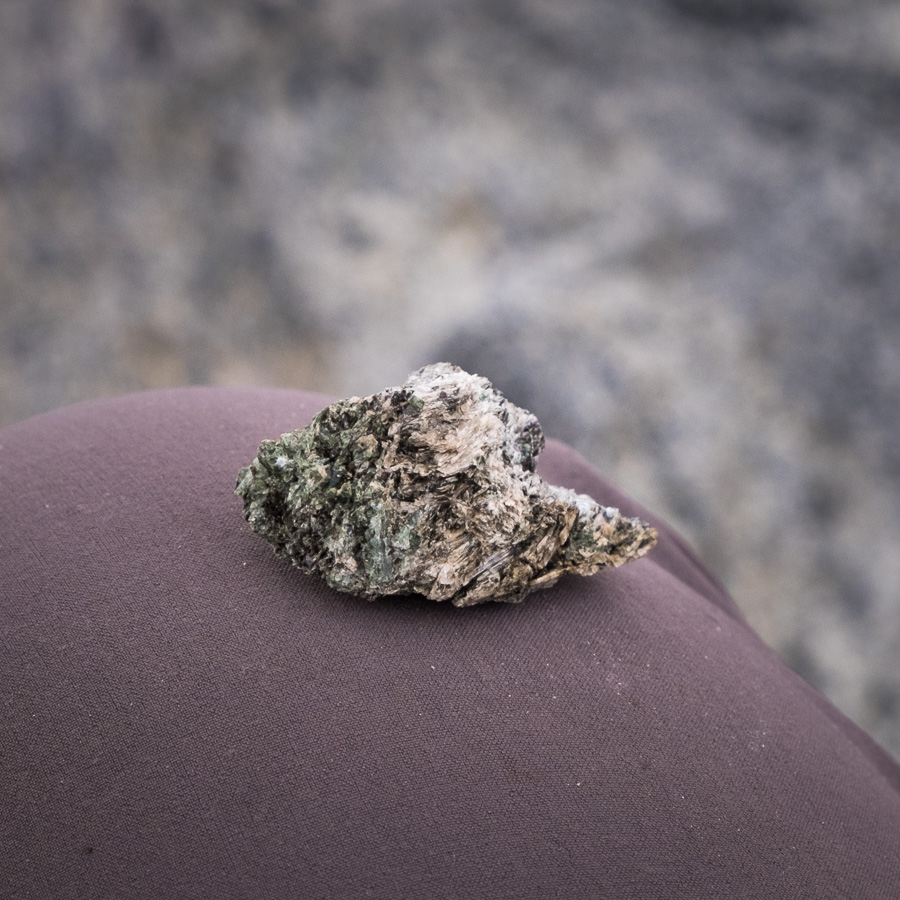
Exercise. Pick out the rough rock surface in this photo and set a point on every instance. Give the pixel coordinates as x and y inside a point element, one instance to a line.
<point>429,488</point>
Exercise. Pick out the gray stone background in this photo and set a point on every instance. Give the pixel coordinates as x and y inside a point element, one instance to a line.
<point>670,228</point>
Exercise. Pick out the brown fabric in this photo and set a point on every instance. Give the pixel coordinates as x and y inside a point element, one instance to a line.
<point>185,716</point>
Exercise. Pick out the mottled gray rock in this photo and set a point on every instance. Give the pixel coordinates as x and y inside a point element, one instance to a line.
<point>669,228</point>
<point>429,488</point>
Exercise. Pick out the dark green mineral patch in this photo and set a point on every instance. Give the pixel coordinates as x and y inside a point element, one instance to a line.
<point>429,488</point>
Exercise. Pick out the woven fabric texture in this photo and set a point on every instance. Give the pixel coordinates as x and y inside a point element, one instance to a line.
<point>183,715</point>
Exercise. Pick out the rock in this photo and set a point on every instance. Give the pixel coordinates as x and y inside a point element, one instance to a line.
<point>429,488</point>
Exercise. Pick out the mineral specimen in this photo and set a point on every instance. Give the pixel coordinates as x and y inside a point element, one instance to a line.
<point>429,488</point>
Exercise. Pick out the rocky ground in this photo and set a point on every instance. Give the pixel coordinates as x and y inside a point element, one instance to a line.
<point>671,228</point>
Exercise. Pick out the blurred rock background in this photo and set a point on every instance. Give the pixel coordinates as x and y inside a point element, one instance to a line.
<point>670,228</point>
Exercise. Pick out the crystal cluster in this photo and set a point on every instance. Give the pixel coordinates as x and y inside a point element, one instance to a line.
<point>429,488</point>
